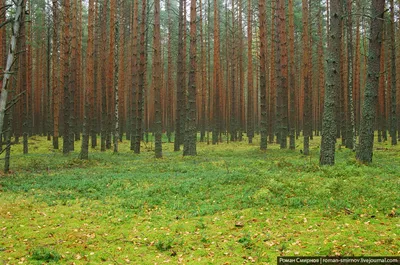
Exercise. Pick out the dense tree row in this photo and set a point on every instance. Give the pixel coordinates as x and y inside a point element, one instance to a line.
<point>233,68</point>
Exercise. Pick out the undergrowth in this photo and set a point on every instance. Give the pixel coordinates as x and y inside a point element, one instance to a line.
<point>231,203</point>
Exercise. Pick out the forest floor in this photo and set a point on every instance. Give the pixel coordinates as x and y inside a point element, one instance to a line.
<point>231,204</point>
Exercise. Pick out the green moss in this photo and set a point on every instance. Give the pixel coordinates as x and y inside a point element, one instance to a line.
<point>115,208</point>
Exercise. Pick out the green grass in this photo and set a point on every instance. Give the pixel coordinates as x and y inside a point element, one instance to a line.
<point>231,204</point>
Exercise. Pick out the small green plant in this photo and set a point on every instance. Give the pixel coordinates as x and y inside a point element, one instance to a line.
<point>204,239</point>
<point>164,245</point>
<point>45,254</point>
<point>246,242</point>
<point>201,225</point>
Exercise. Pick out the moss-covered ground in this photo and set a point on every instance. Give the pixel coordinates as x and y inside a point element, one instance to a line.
<point>231,204</point>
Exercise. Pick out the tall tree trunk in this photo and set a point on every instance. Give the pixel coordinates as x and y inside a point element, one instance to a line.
<point>180,90</point>
<point>365,151</point>
<point>170,82</point>
<point>272,92</point>
<point>48,113</point>
<point>234,95</point>
<point>241,105</point>
<point>157,80</point>
<point>121,72</point>
<point>321,72</point>
<point>250,88</point>
<point>263,78</point>
<point>95,98</point>
<point>203,63</point>
<point>55,77</point>
<point>393,114</point>
<point>307,112</point>
<point>327,154</point>
<point>179,83</point>
<point>103,118</point>
<point>73,79</point>
<point>115,60</point>
<point>381,93</point>
<point>357,73</point>
<point>217,79</point>
<point>283,75</point>
<point>135,77</point>
<point>89,83</point>
<point>111,77</point>
<point>191,130</point>
<point>142,77</point>
<point>292,81</point>
<point>66,40</point>
<point>350,137</point>
<point>24,86</point>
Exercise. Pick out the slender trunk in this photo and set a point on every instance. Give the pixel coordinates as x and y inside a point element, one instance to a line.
<point>350,138</point>
<point>393,114</point>
<point>103,118</point>
<point>356,75</point>
<point>180,90</point>
<point>203,63</point>
<point>307,109</point>
<point>73,80</point>
<point>55,77</point>
<point>250,88</point>
<point>366,140</point>
<point>283,76</point>
<point>135,77</point>
<point>272,92</point>
<point>327,154</point>
<point>381,94</point>
<point>95,94</point>
<point>292,81</point>
<point>217,79</point>
<point>170,82</point>
<point>65,71</point>
<point>89,83</point>
<point>157,80</point>
<point>191,131</point>
<point>263,78</point>
<point>141,79</point>
<point>115,60</point>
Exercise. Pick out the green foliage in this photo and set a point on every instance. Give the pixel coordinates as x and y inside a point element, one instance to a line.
<point>165,244</point>
<point>45,254</point>
<point>118,207</point>
<point>246,241</point>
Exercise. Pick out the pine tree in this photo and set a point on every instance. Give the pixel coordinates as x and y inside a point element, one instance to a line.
<point>327,154</point>
<point>366,140</point>
<point>103,71</point>
<point>180,89</point>
<point>135,75</point>
<point>65,59</point>
<point>217,78</point>
<point>250,88</point>
<point>263,78</point>
<point>157,79</point>
<point>170,82</point>
<point>141,79</point>
<point>307,113</point>
<point>191,130</point>
<point>292,81</point>
<point>89,83</point>
<point>283,76</point>
<point>350,134</point>
<point>55,83</point>
<point>393,92</point>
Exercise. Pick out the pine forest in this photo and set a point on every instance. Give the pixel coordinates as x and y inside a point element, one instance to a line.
<point>199,131</point>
